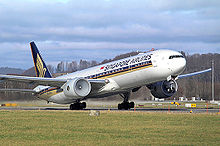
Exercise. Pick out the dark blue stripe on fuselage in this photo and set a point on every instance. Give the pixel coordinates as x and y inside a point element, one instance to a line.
<point>119,70</point>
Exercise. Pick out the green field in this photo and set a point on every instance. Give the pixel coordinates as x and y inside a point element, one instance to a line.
<point>110,128</point>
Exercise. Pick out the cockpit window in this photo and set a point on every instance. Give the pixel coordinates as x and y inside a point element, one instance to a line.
<point>176,56</point>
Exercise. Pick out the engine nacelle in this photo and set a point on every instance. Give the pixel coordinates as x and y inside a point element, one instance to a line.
<point>77,88</point>
<point>163,89</point>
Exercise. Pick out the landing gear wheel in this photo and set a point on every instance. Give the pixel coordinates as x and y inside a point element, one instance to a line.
<point>125,105</point>
<point>83,105</point>
<point>131,104</point>
<point>78,106</point>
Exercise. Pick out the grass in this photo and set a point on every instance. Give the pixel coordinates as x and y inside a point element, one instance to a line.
<point>110,128</point>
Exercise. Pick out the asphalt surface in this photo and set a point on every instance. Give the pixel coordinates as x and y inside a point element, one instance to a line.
<point>114,109</point>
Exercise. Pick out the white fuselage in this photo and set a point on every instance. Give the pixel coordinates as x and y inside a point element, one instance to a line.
<point>128,73</point>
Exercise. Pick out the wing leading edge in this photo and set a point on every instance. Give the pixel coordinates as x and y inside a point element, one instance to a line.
<point>34,80</point>
<point>194,73</point>
<point>18,90</point>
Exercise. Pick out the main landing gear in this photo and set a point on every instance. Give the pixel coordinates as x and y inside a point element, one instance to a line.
<point>125,105</point>
<point>78,106</point>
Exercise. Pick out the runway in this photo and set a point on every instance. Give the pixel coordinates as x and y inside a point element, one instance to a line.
<point>180,110</point>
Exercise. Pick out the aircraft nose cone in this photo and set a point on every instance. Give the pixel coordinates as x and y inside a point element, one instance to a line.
<point>180,66</point>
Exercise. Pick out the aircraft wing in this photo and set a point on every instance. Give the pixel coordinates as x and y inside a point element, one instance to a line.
<point>45,81</point>
<point>195,73</point>
<point>34,80</point>
<point>18,90</point>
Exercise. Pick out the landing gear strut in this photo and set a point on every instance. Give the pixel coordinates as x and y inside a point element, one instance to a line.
<point>125,104</point>
<point>78,106</point>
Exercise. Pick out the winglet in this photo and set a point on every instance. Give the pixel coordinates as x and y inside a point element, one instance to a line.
<point>40,67</point>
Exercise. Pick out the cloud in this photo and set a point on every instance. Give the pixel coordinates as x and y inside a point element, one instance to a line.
<point>82,27</point>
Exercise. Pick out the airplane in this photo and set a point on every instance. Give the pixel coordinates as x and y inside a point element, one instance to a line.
<point>158,70</point>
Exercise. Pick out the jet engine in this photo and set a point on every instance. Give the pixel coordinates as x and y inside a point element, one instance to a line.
<point>163,89</point>
<point>77,88</point>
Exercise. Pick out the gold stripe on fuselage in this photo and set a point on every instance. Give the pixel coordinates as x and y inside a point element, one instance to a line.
<point>125,71</point>
<point>48,93</point>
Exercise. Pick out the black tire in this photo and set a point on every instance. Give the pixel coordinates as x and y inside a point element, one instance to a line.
<point>131,105</point>
<point>119,106</point>
<point>82,105</point>
<point>125,105</point>
<point>72,106</point>
<point>77,106</point>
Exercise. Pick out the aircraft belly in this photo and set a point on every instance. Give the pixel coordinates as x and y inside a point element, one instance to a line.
<point>60,98</point>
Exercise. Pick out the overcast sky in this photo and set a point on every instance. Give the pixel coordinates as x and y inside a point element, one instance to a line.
<point>66,30</point>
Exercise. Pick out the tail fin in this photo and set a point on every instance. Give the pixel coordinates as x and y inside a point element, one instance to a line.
<point>40,67</point>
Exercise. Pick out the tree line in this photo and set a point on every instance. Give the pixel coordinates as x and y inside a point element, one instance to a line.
<point>68,67</point>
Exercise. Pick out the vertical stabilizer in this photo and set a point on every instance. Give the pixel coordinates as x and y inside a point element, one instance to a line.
<point>40,67</point>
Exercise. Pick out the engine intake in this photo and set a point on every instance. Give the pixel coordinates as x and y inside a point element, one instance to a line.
<point>163,89</point>
<point>77,88</point>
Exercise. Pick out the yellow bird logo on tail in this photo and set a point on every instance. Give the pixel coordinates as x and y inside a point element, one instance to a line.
<point>40,66</point>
